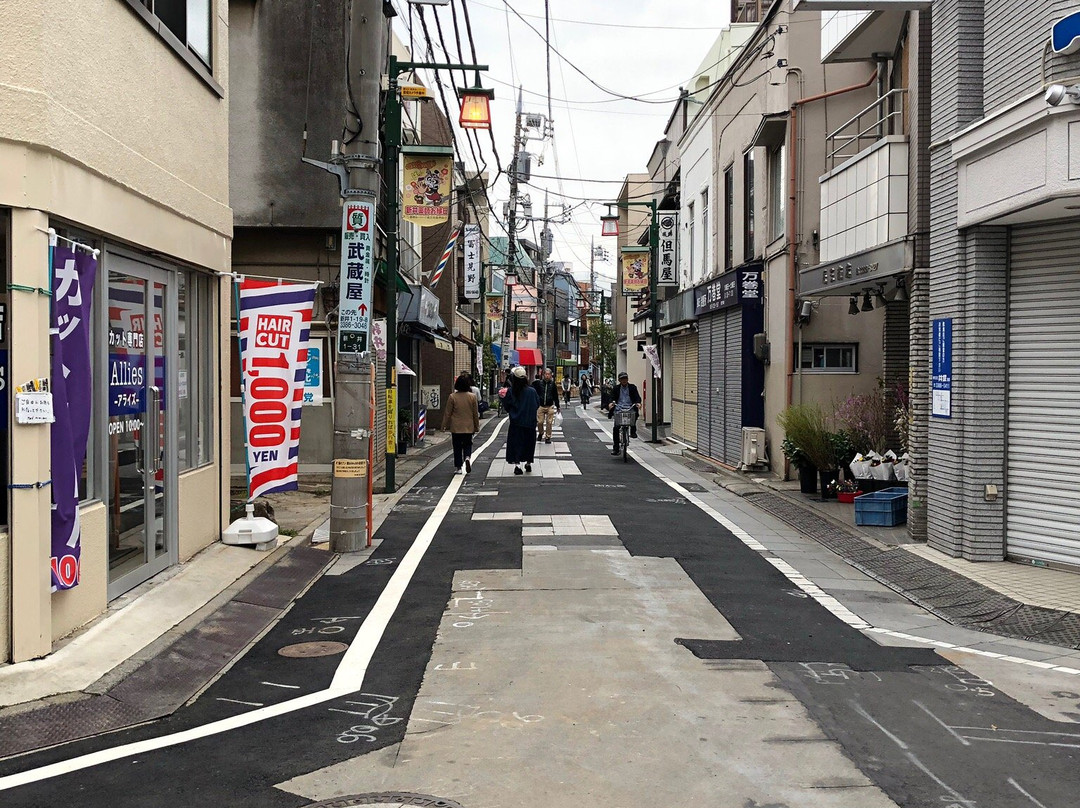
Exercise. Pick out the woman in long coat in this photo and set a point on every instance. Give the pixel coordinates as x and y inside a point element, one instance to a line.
<point>521,402</point>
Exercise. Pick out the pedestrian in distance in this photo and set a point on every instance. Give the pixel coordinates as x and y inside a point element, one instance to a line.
<point>461,416</point>
<point>624,397</point>
<point>566,389</point>
<point>548,394</point>
<point>586,389</point>
<point>521,403</point>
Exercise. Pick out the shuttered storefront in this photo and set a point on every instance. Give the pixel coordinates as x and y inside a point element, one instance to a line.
<point>720,352</point>
<point>1043,482</point>
<point>684,388</point>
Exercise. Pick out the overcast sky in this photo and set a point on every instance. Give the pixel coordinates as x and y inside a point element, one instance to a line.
<point>640,48</point>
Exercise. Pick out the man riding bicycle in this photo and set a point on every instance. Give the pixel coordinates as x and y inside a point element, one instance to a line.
<point>625,397</point>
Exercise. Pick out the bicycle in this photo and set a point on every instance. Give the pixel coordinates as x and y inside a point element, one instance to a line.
<point>624,420</point>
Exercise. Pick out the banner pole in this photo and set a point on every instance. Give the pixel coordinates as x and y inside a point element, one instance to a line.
<point>243,390</point>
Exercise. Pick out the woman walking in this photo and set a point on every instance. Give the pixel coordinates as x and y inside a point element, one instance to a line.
<point>522,403</point>
<point>586,390</point>
<point>462,417</point>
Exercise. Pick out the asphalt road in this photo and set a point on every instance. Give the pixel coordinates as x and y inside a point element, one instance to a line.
<point>670,664</point>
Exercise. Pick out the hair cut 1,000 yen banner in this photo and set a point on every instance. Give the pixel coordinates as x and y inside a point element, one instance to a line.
<point>275,320</point>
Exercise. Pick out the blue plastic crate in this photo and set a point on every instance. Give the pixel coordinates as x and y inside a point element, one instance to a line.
<point>886,508</point>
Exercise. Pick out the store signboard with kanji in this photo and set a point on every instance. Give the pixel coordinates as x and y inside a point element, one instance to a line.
<point>668,249</point>
<point>357,271</point>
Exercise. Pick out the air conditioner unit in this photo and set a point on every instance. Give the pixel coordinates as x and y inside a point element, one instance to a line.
<point>761,347</point>
<point>754,454</point>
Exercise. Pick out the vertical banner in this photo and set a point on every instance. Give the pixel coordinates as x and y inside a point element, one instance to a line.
<point>668,251</point>
<point>635,271</point>
<point>391,420</point>
<point>941,378</point>
<point>357,270</point>
<point>275,320</point>
<point>472,262</point>
<point>378,338</point>
<point>73,289</point>
<point>313,392</point>
<point>426,192</point>
<point>495,308</point>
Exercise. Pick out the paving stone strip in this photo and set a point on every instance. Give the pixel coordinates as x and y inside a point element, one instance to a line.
<point>944,593</point>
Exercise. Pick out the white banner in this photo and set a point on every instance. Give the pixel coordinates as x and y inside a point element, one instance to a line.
<point>654,359</point>
<point>668,249</point>
<point>275,320</point>
<point>378,338</point>
<point>472,262</point>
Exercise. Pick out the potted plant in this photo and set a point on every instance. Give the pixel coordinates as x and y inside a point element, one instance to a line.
<point>846,490</point>
<point>807,473</point>
<point>806,426</point>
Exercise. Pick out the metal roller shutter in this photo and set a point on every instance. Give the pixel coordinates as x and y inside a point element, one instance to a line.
<point>733,388</point>
<point>705,388</point>
<point>684,387</point>
<point>1043,482</point>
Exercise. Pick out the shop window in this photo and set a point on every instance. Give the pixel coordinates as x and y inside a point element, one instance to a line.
<point>829,358</point>
<point>748,205</point>
<point>777,199</point>
<point>197,324</point>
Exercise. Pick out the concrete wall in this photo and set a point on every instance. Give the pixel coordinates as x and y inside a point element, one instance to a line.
<point>72,608</point>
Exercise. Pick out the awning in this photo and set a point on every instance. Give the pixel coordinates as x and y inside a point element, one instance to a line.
<point>856,273</point>
<point>380,278</point>
<point>772,131</point>
<point>417,331</point>
<point>529,357</point>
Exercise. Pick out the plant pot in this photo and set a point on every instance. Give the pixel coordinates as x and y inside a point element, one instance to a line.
<point>807,480</point>
<point>847,496</point>
<point>827,477</point>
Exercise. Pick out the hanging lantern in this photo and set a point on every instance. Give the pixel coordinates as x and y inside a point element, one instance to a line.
<point>475,106</point>
<point>609,225</point>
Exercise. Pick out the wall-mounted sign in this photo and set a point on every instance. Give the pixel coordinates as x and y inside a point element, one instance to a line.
<point>414,91</point>
<point>472,262</point>
<point>350,468</point>
<point>941,377</point>
<point>668,250</point>
<point>635,270</point>
<point>729,289</point>
<point>426,195</point>
<point>313,384</point>
<point>1065,35</point>
<point>357,272</point>
<point>34,408</point>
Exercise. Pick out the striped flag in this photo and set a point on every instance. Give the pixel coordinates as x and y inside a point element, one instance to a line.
<point>275,320</point>
<point>436,276</point>
<point>421,424</point>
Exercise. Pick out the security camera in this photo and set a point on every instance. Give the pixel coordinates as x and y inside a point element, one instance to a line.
<point>1056,93</point>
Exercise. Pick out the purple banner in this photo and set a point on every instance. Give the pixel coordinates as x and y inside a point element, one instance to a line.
<point>73,287</point>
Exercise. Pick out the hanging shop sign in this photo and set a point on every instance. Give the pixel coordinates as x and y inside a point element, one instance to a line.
<point>730,289</point>
<point>635,270</point>
<point>472,262</point>
<point>74,272</point>
<point>1065,35</point>
<point>941,378</point>
<point>495,308</point>
<point>313,376</point>
<point>668,250</point>
<point>275,320</point>
<point>427,172</point>
<point>357,272</point>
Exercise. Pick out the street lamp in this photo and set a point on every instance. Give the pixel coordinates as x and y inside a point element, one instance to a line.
<point>475,114</point>
<point>654,304</point>
<point>609,224</point>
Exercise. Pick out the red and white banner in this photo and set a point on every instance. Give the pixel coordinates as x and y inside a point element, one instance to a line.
<point>275,320</point>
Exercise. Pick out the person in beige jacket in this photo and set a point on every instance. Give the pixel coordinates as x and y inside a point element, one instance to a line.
<point>461,416</point>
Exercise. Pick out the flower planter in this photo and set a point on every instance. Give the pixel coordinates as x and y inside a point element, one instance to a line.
<point>826,478</point>
<point>807,480</point>
<point>847,496</point>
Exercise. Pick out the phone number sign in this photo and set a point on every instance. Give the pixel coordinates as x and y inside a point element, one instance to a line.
<point>357,272</point>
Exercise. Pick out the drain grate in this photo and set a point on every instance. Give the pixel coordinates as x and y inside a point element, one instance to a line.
<point>696,488</point>
<point>390,798</point>
<point>945,593</point>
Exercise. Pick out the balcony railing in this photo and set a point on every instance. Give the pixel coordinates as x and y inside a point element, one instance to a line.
<point>882,118</point>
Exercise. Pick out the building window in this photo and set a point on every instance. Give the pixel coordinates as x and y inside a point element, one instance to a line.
<point>729,216</point>
<point>705,232</point>
<point>822,357</point>
<point>196,324</point>
<point>693,276</point>
<point>188,21</point>
<point>777,199</point>
<point>748,205</point>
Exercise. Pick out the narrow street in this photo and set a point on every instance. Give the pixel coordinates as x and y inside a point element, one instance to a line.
<point>595,633</point>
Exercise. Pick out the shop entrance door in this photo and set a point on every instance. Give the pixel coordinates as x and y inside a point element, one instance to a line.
<point>142,453</point>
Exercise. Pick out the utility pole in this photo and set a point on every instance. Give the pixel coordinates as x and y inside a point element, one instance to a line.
<point>511,221</point>
<point>352,379</point>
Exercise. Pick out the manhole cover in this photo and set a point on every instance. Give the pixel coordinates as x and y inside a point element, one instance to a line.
<point>695,487</point>
<point>302,650</point>
<point>388,799</point>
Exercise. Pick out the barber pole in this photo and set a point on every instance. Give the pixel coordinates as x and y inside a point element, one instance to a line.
<point>421,424</point>
<point>436,276</point>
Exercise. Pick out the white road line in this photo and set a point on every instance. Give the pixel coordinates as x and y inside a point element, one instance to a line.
<point>862,711</point>
<point>815,592</point>
<point>349,677</point>
<point>1019,788</point>
<point>237,701</point>
<point>275,684</point>
<point>947,728</point>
